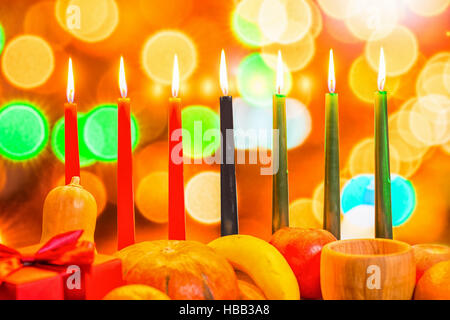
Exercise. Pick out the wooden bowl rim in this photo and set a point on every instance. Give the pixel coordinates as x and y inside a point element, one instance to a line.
<point>405,248</point>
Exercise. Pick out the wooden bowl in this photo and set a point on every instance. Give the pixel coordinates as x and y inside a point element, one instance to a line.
<point>367,269</point>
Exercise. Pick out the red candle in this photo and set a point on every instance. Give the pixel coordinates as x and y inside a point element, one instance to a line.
<point>125,199</point>
<point>71,154</point>
<point>177,220</point>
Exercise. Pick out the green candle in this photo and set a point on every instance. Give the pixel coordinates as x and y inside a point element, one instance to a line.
<point>383,214</point>
<point>332,206</point>
<point>280,191</point>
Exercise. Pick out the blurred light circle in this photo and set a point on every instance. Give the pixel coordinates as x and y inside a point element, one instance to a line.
<point>296,56</point>
<point>285,21</point>
<point>272,19</point>
<point>158,54</point>
<point>253,126</point>
<point>407,149</point>
<point>47,28</point>
<point>400,48</point>
<point>434,78</point>
<point>427,8</point>
<point>362,158</point>
<point>305,87</point>
<point>89,21</point>
<point>359,223</point>
<point>203,197</point>
<point>372,20</point>
<point>27,61</point>
<point>92,183</point>
<point>301,214</point>
<point>23,131</point>
<point>245,23</point>
<point>298,123</point>
<point>336,9</point>
<point>256,80</point>
<point>430,119</point>
<point>152,196</point>
<point>58,142</point>
<point>199,122</point>
<point>363,81</point>
<point>100,132</point>
<point>360,190</point>
<point>318,196</point>
<point>317,21</point>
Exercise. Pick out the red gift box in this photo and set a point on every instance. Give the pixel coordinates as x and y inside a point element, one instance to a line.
<point>62,269</point>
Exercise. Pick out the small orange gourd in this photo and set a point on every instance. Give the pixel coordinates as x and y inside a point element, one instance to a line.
<point>68,208</point>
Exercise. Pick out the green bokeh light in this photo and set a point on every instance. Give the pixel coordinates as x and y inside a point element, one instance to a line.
<point>2,38</point>
<point>23,131</point>
<point>256,81</point>
<point>246,31</point>
<point>58,142</point>
<point>197,120</point>
<point>100,132</point>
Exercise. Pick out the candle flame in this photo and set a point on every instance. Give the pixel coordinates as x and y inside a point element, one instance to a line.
<point>331,76</point>
<point>70,92</point>
<point>175,77</point>
<point>280,75</point>
<point>122,81</point>
<point>381,71</point>
<point>223,74</point>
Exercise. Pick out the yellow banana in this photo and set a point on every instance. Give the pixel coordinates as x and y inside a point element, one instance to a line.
<point>262,262</point>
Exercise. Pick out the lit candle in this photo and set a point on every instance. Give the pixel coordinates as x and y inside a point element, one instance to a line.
<point>280,188</point>
<point>228,199</point>
<point>71,154</point>
<point>383,215</point>
<point>177,219</point>
<point>125,199</point>
<point>331,207</point>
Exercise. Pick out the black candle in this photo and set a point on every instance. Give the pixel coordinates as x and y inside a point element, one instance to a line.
<point>228,198</point>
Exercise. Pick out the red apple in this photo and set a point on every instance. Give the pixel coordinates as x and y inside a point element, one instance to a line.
<point>302,248</point>
<point>427,255</point>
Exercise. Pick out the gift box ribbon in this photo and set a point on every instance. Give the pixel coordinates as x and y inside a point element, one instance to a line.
<point>61,250</point>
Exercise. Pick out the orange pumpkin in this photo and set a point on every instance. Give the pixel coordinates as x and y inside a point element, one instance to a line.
<point>184,270</point>
<point>69,208</point>
<point>136,292</point>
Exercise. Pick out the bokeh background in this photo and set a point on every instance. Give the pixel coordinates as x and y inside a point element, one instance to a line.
<point>37,38</point>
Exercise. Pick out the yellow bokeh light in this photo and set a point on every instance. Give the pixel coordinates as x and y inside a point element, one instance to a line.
<point>434,78</point>
<point>372,20</point>
<point>317,199</point>
<point>28,61</point>
<point>401,51</point>
<point>159,50</point>
<point>152,196</point>
<point>299,21</point>
<point>336,9</point>
<point>363,81</point>
<point>427,8</point>
<point>301,214</point>
<point>272,19</point>
<point>429,119</point>
<point>89,21</point>
<point>362,158</point>
<point>296,56</point>
<point>202,195</point>
<point>317,21</point>
<point>400,137</point>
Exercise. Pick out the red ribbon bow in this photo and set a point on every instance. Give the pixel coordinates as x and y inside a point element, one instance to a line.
<point>61,250</point>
